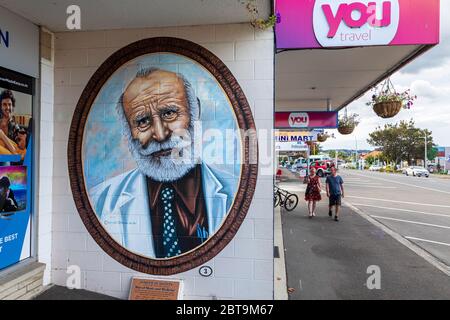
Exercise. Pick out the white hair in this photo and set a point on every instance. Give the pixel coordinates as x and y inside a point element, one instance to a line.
<point>164,169</point>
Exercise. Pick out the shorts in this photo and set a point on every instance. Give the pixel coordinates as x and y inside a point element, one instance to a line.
<point>335,200</point>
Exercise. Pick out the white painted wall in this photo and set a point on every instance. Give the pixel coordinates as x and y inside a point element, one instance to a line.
<point>46,125</point>
<point>244,269</point>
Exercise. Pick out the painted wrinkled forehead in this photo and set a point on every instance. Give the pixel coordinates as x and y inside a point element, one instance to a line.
<point>158,82</point>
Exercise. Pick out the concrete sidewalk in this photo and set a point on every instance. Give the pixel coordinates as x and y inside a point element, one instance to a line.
<point>63,293</point>
<point>329,260</point>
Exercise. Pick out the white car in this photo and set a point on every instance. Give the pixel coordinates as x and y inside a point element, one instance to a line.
<point>417,172</point>
<point>375,168</point>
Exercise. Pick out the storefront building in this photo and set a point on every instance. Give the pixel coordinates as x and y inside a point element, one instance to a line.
<point>94,113</point>
<point>218,61</point>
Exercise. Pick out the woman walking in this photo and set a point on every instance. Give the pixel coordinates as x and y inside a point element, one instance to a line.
<point>312,194</point>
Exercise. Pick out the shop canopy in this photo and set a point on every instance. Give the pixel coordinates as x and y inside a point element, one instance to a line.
<point>330,52</point>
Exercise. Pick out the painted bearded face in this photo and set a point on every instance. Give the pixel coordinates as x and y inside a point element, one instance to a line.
<point>158,109</point>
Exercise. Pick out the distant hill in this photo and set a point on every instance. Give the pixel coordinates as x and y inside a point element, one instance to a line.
<point>347,151</point>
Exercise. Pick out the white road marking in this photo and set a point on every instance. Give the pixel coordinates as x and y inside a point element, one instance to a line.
<point>404,210</point>
<point>292,188</point>
<point>409,244</point>
<point>429,241</point>
<point>402,183</point>
<point>368,186</point>
<point>363,184</point>
<point>405,202</point>
<point>412,222</point>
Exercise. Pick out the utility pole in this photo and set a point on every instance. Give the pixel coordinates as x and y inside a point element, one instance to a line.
<point>336,156</point>
<point>426,152</point>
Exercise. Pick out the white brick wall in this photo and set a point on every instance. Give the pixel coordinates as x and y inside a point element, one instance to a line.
<point>46,126</point>
<point>244,269</point>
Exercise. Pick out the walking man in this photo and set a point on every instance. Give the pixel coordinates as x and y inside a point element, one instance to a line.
<point>335,191</point>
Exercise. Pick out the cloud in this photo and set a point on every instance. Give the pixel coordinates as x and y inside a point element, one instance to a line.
<point>439,54</point>
<point>428,78</point>
<point>431,110</point>
<point>424,89</point>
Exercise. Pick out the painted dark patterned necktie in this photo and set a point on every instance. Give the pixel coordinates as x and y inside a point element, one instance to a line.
<point>171,245</point>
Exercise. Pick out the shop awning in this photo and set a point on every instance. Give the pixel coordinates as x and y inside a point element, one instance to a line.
<point>308,79</point>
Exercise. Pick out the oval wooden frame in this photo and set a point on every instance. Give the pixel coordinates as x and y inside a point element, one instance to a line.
<point>249,171</point>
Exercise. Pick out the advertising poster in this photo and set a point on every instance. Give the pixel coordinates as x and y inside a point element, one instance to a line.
<point>15,167</point>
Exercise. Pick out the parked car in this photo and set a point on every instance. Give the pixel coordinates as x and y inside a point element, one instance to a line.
<point>299,164</point>
<point>321,157</point>
<point>322,167</point>
<point>375,168</point>
<point>417,172</point>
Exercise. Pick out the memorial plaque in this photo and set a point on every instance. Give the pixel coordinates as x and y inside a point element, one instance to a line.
<point>155,289</point>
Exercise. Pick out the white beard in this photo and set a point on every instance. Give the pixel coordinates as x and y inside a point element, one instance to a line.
<point>170,168</point>
<point>164,169</point>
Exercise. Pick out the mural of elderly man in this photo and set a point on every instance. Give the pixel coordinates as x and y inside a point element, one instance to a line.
<point>165,207</point>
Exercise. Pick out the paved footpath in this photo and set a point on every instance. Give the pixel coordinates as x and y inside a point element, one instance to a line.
<point>329,260</point>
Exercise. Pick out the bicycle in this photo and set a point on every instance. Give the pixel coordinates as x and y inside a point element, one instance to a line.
<point>284,199</point>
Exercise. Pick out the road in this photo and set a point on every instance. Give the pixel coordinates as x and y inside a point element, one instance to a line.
<point>416,208</point>
<point>330,260</point>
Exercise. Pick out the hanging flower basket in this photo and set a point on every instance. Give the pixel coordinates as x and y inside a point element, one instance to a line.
<point>387,102</point>
<point>322,137</point>
<point>387,109</point>
<point>348,123</point>
<point>346,130</point>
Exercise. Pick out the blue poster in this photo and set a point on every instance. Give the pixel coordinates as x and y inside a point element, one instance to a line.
<point>15,169</point>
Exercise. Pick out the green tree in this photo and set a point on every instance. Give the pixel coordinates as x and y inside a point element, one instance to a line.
<point>341,155</point>
<point>370,160</point>
<point>401,141</point>
<point>432,153</point>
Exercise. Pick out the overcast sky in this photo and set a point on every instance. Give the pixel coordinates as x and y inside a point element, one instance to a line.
<point>429,78</point>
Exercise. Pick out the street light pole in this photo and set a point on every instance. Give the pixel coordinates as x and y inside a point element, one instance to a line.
<point>426,152</point>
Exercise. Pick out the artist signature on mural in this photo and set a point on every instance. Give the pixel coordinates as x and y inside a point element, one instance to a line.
<point>106,222</point>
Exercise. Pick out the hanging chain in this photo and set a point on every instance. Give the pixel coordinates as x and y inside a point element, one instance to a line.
<point>388,87</point>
